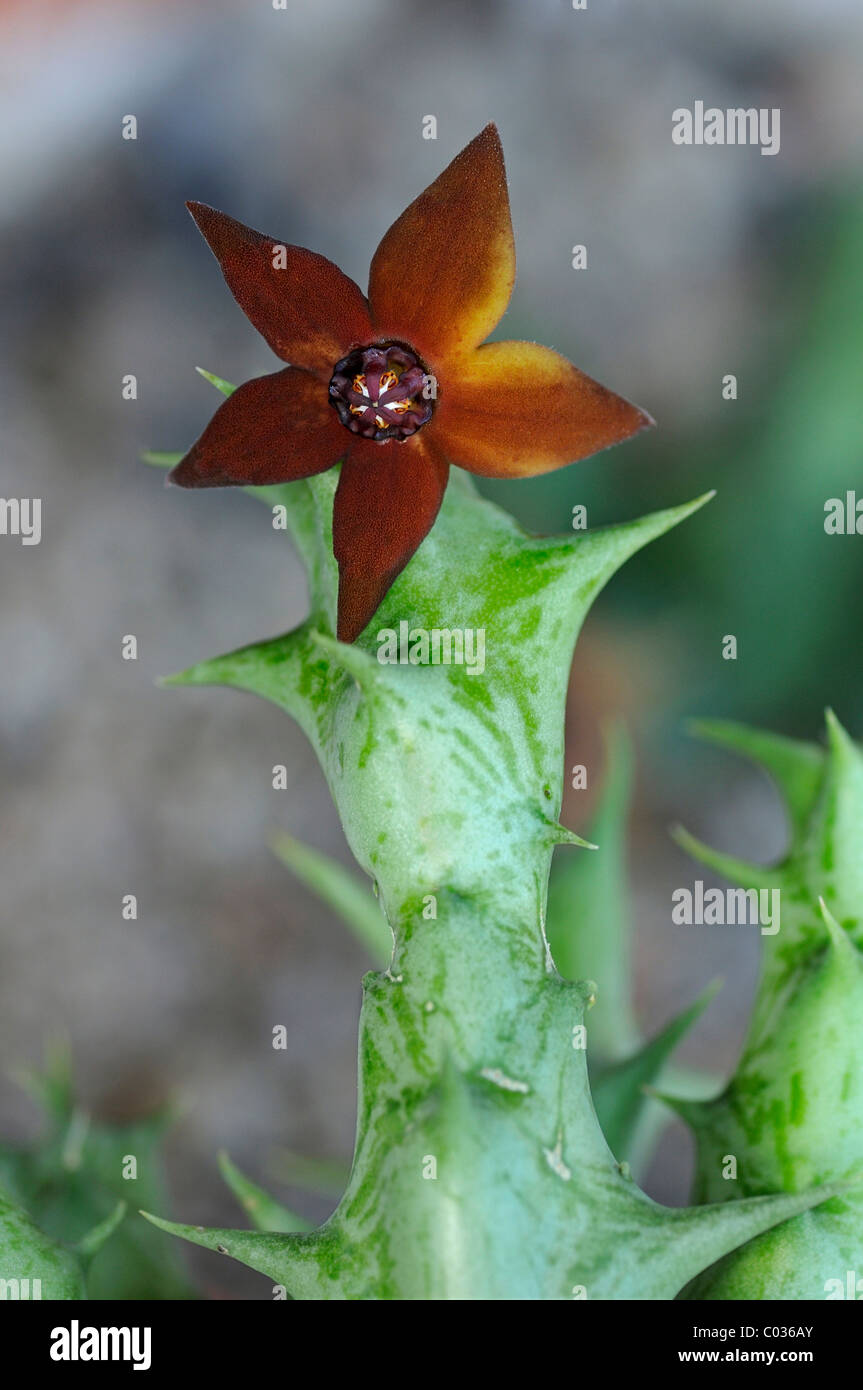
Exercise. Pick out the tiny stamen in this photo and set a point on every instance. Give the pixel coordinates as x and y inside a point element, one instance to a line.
<point>377,392</point>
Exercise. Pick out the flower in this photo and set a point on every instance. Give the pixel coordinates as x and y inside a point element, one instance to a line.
<point>397,386</point>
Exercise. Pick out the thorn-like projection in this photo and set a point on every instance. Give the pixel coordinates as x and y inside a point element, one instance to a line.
<point>797,768</point>
<point>619,1090</point>
<point>792,1114</point>
<point>73,1178</point>
<point>279,670</point>
<point>351,898</point>
<point>261,1250</point>
<point>368,673</point>
<point>595,555</point>
<point>91,1243</point>
<point>264,1212</point>
<point>839,938</point>
<point>219,382</point>
<point>734,1223</point>
<point>589,991</point>
<point>838,738</point>
<point>556,834</point>
<point>29,1254</point>
<point>726,865</point>
<point>157,459</point>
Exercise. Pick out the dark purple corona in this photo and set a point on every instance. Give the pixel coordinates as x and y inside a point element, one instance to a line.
<point>378,392</point>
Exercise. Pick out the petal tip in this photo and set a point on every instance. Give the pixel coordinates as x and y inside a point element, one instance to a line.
<point>355,608</point>
<point>442,275</point>
<point>489,146</point>
<point>187,473</point>
<point>205,219</point>
<point>182,474</point>
<point>491,133</point>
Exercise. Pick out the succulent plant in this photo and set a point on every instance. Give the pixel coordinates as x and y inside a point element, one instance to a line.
<point>430,679</point>
<point>480,1169</point>
<point>792,1114</point>
<point>65,1231</point>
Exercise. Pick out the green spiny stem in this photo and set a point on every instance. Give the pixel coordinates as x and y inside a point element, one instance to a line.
<point>793,1112</point>
<point>31,1260</point>
<point>63,1201</point>
<point>440,776</point>
<point>480,1170</point>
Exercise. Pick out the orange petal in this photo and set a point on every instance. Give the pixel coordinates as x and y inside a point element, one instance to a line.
<point>443,274</point>
<point>386,503</point>
<point>513,409</point>
<point>309,312</point>
<point>273,429</point>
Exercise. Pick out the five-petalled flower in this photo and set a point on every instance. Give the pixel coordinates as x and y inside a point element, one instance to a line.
<point>396,386</point>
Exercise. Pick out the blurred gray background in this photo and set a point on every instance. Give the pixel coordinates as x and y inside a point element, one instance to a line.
<point>306,123</point>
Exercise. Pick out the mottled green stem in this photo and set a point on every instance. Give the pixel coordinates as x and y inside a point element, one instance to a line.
<point>480,1169</point>
<point>792,1114</point>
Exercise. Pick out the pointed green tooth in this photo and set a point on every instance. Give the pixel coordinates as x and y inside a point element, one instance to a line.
<point>791,1113</point>
<point>346,894</point>
<point>796,767</point>
<point>264,1212</point>
<point>607,548</point>
<point>27,1253</point>
<point>369,674</point>
<point>279,670</point>
<point>224,387</point>
<point>839,938</point>
<point>556,834</point>
<point>268,1252</point>
<point>703,1235</point>
<point>739,871</point>
<point>91,1243</point>
<point>841,744</point>
<point>831,862</point>
<point>619,1092</point>
<point>157,459</point>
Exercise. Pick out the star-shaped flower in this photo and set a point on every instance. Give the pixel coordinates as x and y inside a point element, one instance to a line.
<point>397,386</point>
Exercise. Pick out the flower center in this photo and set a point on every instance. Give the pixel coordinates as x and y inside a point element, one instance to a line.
<point>378,392</point>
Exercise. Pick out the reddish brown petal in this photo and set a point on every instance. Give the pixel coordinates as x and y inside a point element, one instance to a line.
<point>443,274</point>
<point>271,430</point>
<point>512,409</point>
<point>386,503</point>
<point>309,312</point>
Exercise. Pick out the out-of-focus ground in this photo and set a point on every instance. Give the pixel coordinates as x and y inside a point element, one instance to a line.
<point>307,124</point>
